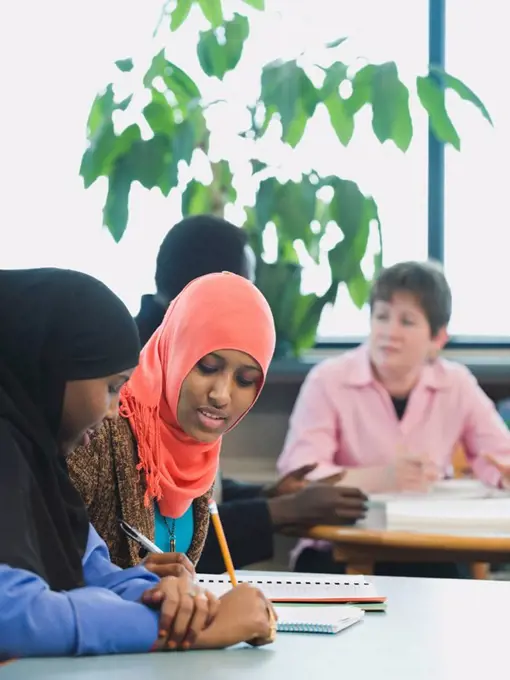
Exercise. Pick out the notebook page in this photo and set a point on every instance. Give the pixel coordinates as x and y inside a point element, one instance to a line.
<point>330,619</point>
<point>298,588</point>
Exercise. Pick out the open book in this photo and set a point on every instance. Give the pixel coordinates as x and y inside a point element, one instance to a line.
<point>311,588</point>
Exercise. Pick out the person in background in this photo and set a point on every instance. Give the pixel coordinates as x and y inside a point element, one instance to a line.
<point>195,246</point>
<point>251,514</point>
<point>390,413</point>
<point>67,346</point>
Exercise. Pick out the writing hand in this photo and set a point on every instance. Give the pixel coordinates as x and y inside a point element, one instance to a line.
<point>502,468</point>
<point>244,615</point>
<point>413,473</point>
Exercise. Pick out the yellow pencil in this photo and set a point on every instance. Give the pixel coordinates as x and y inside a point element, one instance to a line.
<point>215,518</point>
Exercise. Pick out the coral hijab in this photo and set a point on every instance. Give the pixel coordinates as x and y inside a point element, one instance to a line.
<point>214,312</point>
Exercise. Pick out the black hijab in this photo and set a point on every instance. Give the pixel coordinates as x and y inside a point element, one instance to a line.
<point>55,325</point>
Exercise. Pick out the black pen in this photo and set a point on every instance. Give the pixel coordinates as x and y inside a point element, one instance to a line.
<point>139,538</point>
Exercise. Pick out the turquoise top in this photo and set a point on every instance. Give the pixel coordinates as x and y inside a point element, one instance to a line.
<point>184,528</point>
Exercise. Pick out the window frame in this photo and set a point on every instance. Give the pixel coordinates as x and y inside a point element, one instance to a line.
<point>435,197</point>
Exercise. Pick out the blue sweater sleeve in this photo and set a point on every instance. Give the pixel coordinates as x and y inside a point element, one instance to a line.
<point>98,570</point>
<point>104,617</point>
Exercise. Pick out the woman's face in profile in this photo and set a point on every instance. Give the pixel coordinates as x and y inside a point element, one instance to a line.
<point>218,391</point>
<point>86,404</point>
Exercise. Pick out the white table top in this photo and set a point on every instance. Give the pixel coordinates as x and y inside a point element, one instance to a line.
<point>433,630</point>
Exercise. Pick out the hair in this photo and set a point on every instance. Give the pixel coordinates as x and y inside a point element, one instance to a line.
<point>196,246</point>
<point>425,281</point>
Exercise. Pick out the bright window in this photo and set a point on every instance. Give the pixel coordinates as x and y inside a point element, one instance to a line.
<point>67,55</point>
<point>397,181</point>
<point>477,235</point>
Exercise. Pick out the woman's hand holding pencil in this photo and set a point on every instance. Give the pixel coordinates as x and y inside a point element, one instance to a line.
<point>257,615</point>
<point>244,615</point>
<point>192,618</point>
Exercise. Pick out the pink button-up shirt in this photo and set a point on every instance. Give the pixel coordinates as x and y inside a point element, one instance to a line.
<point>344,419</point>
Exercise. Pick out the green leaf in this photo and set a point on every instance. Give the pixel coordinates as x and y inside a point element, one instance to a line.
<point>176,80</point>
<point>306,317</point>
<point>347,207</point>
<point>361,89</point>
<point>287,90</point>
<point>217,58</point>
<point>256,4</point>
<point>180,13</point>
<point>359,288</point>
<point>182,138</point>
<point>124,65</point>
<point>116,208</point>
<point>185,89</point>
<point>378,257</point>
<point>280,283</point>
<point>196,199</point>
<point>336,43</point>
<point>104,150</point>
<point>291,206</point>
<point>342,120</point>
<point>212,11</point>
<point>149,161</point>
<point>122,106</point>
<point>222,190</point>
<point>353,212</point>
<point>391,118</point>
<point>183,145</point>
<point>335,76</point>
<point>159,114</point>
<point>341,262</point>
<point>200,131</point>
<point>294,210</point>
<point>254,233</point>
<point>264,202</point>
<point>100,111</point>
<point>95,161</point>
<point>462,90</point>
<point>432,98</point>
<point>257,166</point>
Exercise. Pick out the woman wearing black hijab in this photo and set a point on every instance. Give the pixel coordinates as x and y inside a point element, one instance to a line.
<point>67,345</point>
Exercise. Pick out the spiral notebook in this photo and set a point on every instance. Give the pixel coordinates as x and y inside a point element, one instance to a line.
<point>330,619</point>
<point>309,588</point>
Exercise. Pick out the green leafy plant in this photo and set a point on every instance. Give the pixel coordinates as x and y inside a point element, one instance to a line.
<point>298,212</point>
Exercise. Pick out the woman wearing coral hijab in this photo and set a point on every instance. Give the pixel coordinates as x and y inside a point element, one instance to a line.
<point>198,376</point>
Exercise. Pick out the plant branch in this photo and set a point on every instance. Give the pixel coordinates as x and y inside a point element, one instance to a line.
<point>165,12</point>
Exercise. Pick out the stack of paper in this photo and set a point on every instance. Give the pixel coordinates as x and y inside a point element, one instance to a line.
<point>311,588</point>
<point>461,489</point>
<point>490,517</point>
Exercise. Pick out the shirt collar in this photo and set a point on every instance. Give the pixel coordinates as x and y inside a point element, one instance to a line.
<point>359,373</point>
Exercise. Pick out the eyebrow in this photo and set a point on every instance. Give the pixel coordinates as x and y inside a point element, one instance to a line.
<point>251,367</point>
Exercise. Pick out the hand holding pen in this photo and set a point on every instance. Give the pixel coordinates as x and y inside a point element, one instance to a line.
<point>191,617</point>
<point>414,472</point>
<point>155,560</point>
